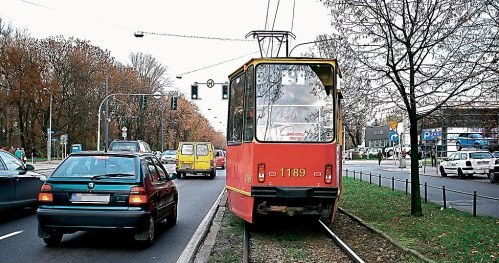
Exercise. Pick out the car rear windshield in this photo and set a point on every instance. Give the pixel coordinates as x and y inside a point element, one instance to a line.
<point>124,146</point>
<point>170,152</point>
<point>90,166</point>
<point>481,155</point>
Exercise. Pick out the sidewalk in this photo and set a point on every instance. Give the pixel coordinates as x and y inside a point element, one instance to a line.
<point>394,166</point>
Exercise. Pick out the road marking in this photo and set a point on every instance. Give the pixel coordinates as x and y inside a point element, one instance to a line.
<point>11,234</point>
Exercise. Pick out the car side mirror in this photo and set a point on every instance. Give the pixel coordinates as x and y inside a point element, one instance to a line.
<point>30,167</point>
<point>172,176</point>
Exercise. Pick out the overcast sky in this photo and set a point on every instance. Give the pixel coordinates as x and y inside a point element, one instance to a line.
<point>111,25</point>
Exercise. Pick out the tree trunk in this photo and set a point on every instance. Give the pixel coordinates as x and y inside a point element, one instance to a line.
<point>416,209</point>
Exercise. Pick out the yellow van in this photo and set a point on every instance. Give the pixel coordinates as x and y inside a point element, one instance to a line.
<point>196,158</point>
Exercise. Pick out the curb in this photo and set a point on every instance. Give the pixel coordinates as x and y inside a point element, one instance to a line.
<point>389,238</point>
<point>190,250</point>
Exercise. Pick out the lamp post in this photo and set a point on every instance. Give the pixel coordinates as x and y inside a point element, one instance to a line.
<point>49,133</point>
<point>157,95</point>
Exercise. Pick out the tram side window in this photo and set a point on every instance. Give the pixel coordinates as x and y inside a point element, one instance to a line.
<point>236,100</point>
<point>249,104</point>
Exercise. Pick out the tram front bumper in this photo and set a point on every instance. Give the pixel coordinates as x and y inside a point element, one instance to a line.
<point>294,200</point>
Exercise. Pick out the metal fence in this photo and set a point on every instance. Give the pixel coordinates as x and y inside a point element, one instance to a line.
<point>378,179</point>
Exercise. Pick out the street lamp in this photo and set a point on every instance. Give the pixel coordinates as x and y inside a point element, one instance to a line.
<point>49,133</point>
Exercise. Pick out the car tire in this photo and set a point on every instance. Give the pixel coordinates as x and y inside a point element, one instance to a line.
<point>213,173</point>
<point>54,239</point>
<point>458,146</point>
<point>460,174</point>
<point>492,177</point>
<point>171,219</point>
<point>146,237</point>
<point>442,172</point>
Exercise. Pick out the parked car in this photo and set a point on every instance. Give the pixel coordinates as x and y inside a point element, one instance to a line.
<point>467,163</point>
<point>494,171</point>
<point>169,156</point>
<point>220,158</point>
<point>132,146</point>
<point>468,139</point>
<point>19,185</point>
<point>115,191</point>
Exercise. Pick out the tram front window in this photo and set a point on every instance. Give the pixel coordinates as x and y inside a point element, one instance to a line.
<point>294,103</point>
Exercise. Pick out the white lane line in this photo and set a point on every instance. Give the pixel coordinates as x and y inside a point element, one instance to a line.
<point>11,234</point>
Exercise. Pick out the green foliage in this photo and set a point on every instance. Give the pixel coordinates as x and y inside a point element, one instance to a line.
<point>444,235</point>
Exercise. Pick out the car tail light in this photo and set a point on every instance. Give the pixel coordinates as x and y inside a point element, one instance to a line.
<point>138,196</point>
<point>468,163</point>
<point>45,194</point>
<point>328,174</point>
<point>261,172</point>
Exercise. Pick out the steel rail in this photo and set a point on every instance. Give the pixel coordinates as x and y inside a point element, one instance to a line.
<point>342,245</point>
<point>246,243</point>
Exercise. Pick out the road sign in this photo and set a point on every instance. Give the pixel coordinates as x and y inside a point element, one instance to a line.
<point>124,129</point>
<point>393,136</point>
<point>393,124</point>
<point>210,83</point>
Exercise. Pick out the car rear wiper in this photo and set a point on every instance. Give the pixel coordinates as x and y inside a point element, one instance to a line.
<point>100,176</point>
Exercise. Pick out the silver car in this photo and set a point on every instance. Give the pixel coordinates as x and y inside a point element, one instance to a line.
<point>169,156</point>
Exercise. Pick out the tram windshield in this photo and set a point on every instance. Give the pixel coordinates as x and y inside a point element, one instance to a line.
<point>294,103</point>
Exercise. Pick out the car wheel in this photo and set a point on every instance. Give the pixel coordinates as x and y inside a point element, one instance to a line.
<point>223,167</point>
<point>458,146</point>
<point>213,173</point>
<point>492,177</point>
<point>146,237</point>
<point>54,239</point>
<point>460,173</point>
<point>171,220</point>
<point>442,171</point>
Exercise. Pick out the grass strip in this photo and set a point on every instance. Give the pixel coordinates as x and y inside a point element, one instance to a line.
<point>444,235</point>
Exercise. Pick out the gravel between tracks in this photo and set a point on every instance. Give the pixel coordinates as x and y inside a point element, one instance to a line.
<point>288,242</point>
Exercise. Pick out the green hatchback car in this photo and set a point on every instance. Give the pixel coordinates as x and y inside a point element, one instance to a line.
<point>116,191</point>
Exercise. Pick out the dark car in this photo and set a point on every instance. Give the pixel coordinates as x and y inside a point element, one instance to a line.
<point>19,185</point>
<point>107,191</point>
<point>132,146</point>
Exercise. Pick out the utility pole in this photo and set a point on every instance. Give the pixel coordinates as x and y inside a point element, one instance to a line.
<point>106,120</point>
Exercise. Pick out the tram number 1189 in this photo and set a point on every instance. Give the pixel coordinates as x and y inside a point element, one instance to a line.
<point>293,172</point>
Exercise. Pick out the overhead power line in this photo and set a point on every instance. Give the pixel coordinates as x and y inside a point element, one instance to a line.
<point>179,76</point>
<point>141,33</point>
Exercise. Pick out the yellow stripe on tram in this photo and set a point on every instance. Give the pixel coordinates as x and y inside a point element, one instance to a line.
<point>237,190</point>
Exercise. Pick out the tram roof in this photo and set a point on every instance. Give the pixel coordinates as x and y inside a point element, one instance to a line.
<point>297,60</point>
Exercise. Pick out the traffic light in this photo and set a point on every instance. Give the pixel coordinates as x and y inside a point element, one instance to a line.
<point>194,92</point>
<point>143,102</point>
<point>173,103</point>
<point>225,91</point>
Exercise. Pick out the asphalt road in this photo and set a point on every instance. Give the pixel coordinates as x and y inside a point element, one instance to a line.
<point>464,202</point>
<point>19,241</point>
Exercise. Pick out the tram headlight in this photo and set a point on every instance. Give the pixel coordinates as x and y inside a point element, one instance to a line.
<point>261,172</point>
<point>328,174</point>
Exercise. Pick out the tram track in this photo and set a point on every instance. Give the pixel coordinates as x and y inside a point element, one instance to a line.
<point>301,240</point>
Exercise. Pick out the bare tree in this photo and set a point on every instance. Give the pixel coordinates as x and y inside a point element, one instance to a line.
<point>417,55</point>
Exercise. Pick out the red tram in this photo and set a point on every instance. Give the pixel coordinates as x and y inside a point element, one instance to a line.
<point>284,138</point>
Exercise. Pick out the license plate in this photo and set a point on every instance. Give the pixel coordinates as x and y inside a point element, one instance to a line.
<point>90,198</point>
<point>187,167</point>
